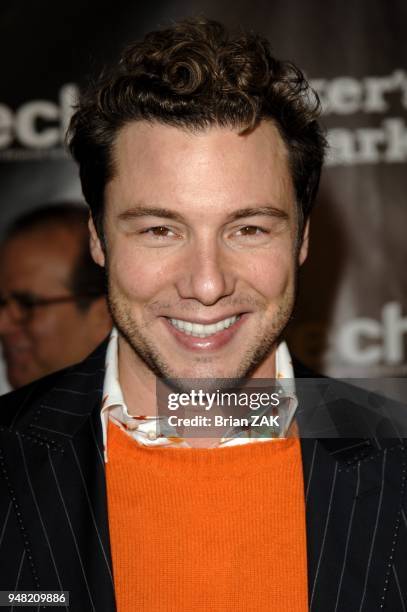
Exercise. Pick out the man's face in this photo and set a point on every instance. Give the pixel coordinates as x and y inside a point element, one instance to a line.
<point>201,242</point>
<point>39,263</point>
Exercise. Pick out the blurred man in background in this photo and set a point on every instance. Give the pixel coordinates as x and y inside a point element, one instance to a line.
<point>52,306</point>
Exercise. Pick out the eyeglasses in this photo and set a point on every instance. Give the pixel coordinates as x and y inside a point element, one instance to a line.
<point>22,305</point>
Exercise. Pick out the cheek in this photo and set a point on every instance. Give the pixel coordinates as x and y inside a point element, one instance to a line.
<point>270,274</point>
<point>138,276</point>
<point>55,327</point>
<point>43,326</point>
<point>47,337</point>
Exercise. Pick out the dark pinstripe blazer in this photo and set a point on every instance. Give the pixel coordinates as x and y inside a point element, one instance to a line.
<point>53,516</point>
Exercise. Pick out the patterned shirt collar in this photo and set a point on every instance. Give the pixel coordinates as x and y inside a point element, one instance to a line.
<point>143,428</point>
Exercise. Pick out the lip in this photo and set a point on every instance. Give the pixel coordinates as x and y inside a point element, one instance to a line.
<point>209,321</point>
<point>211,343</point>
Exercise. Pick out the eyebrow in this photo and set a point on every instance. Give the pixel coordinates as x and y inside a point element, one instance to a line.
<point>166,213</point>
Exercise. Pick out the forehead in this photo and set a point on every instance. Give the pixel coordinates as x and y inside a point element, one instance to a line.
<point>216,168</point>
<point>37,260</point>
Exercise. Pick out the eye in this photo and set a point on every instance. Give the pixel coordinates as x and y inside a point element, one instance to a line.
<point>251,230</point>
<point>159,231</point>
<point>26,300</point>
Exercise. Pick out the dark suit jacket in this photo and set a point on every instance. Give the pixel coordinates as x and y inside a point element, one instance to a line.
<point>53,515</point>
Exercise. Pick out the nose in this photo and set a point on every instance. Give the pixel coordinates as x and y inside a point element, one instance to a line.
<point>207,274</point>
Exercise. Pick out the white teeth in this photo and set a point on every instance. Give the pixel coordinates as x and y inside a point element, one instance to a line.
<point>203,331</point>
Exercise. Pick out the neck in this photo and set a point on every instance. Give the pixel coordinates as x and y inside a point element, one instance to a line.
<point>137,381</point>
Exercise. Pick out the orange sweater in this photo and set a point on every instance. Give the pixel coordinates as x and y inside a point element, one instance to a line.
<point>207,529</point>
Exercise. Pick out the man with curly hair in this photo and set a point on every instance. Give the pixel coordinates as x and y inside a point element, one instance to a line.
<point>200,155</point>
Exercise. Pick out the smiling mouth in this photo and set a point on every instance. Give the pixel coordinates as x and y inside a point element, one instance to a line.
<point>199,330</point>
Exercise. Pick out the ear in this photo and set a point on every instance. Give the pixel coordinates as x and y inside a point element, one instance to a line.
<point>95,245</point>
<point>303,250</point>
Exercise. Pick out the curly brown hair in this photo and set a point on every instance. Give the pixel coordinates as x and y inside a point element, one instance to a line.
<point>194,75</point>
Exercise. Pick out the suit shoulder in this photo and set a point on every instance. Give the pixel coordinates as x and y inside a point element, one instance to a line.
<point>18,403</point>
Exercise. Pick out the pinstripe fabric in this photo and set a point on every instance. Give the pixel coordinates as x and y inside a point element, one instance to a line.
<point>348,536</point>
<point>53,513</point>
<point>4,522</point>
<point>399,589</point>
<point>54,479</point>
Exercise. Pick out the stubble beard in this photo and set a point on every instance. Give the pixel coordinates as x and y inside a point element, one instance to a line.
<point>148,351</point>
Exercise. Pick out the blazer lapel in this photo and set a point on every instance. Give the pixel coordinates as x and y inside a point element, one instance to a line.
<point>60,472</point>
<point>354,488</point>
